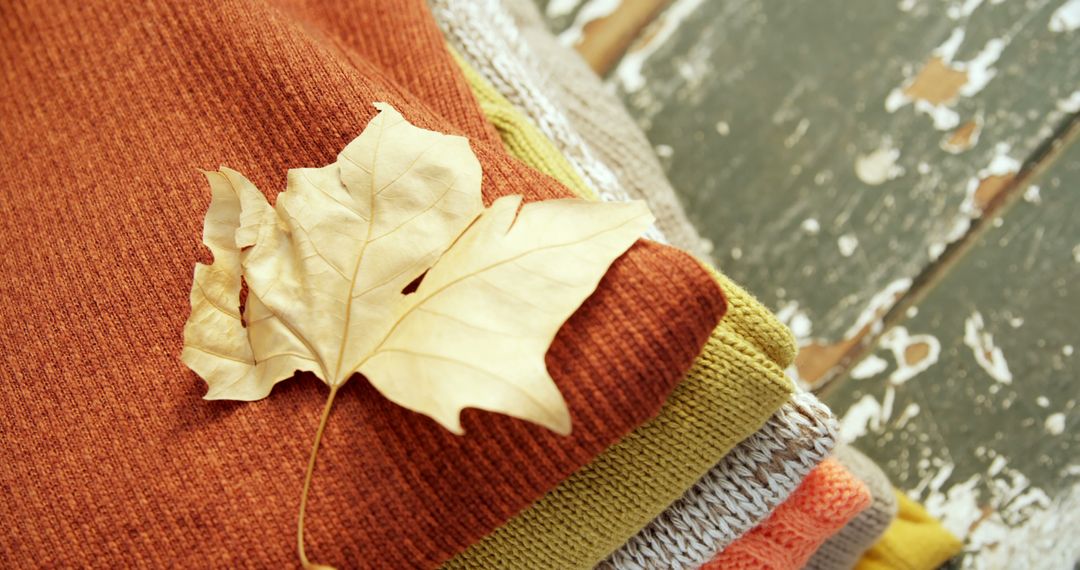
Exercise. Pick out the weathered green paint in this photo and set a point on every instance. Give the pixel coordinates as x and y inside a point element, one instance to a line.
<point>761,111</point>
<point>1013,443</point>
<point>789,129</point>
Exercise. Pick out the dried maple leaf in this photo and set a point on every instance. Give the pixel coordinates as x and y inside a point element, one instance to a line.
<point>328,265</point>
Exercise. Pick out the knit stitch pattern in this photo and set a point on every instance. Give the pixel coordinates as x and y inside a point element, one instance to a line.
<point>728,394</point>
<point>843,550</point>
<point>827,499</point>
<point>111,458</point>
<point>736,494</point>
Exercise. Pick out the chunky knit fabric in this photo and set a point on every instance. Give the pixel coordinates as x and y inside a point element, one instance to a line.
<point>827,499</point>
<point>914,541</point>
<point>843,550</point>
<point>111,458</point>
<point>737,494</point>
<point>509,45</point>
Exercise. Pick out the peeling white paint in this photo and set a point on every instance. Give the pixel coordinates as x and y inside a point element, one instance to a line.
<point>958,507</point>
<point>628,73</point>
<point>1066,18</point>
<point>898,340</point>
<point>909,412</point>
<point>847,243</point>
<point>879,166</point>
<point>987,355</point>
<point>1032,195</point>
<point>1055,423</point>
<point>797,135</point>
<point>879,303</point>
<point>935,250</point>
<point>943,117</point>
<point>869,415</point>
<point>947,50</point>
<point>1070,104</point>
<point>895,100</point>
<point>1043,540</point>
<point>963,10</point>
<point>870,366</point>
<point>591,11</point>
<point>796,319</point>
<point>1005,521</point>
<point>980,69</point>
<point>1000,165</point>
<point>997,465</point>
<point>864,414</point>
<point>810,226</point>
<point>801,326</point>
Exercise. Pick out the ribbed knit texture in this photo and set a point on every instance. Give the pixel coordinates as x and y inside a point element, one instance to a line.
<point>490,34</point>
<point>737,494</point>
<point>111,458</point>
<point>827,499</point>
<point>914,541</point>
<point>843,550</point>
<point>805,432</point>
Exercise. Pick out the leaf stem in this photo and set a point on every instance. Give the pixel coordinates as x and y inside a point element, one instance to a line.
<point>307,485</point>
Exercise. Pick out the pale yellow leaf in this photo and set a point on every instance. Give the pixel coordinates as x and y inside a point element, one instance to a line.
<point>325,269</point>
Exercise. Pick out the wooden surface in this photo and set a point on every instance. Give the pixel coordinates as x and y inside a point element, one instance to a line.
<point>972,404</point>
<point>847,164</point>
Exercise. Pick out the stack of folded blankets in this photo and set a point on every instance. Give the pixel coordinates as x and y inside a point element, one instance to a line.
<point>786,496</point>
<point>690,449</point>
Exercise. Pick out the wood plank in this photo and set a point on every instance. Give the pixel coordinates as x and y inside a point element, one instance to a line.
<point>602,30</point>
<point>832,154</point>
<point>971,404</point>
